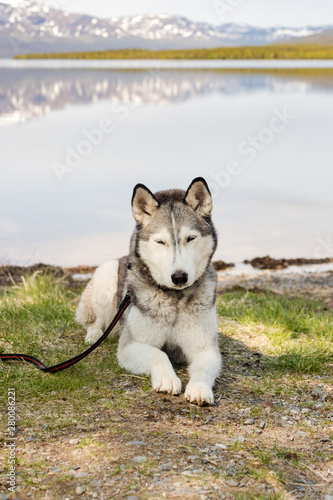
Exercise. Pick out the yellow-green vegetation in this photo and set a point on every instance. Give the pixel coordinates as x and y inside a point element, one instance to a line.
<point>250,52</point>
<point>299,332</point>
<point>96,428</point>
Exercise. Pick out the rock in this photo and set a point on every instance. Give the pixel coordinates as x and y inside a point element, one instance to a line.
<point>95,484</point>
<point>165,466</point>
<point>139,460</point>
<point>76,467</point>
<point>220,265</point>
<point>55,469</point>
<point>79,490</point>
<point>262,425</point>
<point>3,496</point>
<point>232,482</point>
<point>231,469</point>
<point>73,441</point>
<point>137,443</point>
<point>81,474</point>
<point>221,446</point>
<point>249,421</point>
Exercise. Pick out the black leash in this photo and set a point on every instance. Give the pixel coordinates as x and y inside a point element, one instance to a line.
<point>66,364</point>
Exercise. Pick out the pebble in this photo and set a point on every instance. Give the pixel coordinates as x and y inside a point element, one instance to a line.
<point>131,497</point>
<point>232,482</point>
<point>139,460</point>
<point>165,466</point>
<point>81,474</point>
<point>55,469</point>
<point>76,467</point>
<point>137,443</point>
<point>262,425</point>
<point>249,421</point>
<point>79,490</point>
<point>221,446</point>
<point>73,441</point>
<point>95,483</point>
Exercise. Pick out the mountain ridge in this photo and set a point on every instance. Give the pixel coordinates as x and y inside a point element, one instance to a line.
<point>33,27</point>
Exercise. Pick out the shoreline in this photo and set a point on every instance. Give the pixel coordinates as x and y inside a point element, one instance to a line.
<point>171,64</point>
<point>314,282</point>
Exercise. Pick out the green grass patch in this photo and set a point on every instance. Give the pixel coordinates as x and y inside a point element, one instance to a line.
<point>270,52</point>
<point>37,318</point>
<point>300,332</point>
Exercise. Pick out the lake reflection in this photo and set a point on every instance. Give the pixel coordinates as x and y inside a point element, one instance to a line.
<point>165,128</point>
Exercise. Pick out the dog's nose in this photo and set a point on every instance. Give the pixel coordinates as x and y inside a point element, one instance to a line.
<point>179,278</point>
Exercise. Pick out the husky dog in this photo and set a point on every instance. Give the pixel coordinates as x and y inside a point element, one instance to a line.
<point>172,285</point>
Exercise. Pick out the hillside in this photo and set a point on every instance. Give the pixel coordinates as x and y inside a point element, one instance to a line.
<point>324,38</point>
<point>251,52</point>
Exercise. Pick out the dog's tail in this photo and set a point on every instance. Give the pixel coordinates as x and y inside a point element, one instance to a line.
<point>85,314</point>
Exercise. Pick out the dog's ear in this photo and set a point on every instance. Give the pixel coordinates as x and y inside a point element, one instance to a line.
<point>198,197</point>
<point>144,203</point>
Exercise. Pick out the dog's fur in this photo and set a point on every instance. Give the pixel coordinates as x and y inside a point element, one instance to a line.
<point>172,285</point>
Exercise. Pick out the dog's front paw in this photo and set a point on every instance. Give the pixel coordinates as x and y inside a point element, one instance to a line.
<point>93,334</point>
<point>197,392</point>
<point>166,382</point>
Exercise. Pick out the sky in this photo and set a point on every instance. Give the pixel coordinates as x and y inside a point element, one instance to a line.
<point>254,12</point>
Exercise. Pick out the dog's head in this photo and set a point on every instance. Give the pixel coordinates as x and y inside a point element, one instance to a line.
<point>175,236</point>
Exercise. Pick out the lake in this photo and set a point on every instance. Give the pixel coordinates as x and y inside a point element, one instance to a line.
<point>75,141</point>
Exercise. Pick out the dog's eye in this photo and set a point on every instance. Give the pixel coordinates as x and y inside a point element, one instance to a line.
<point>190,238</point>
<point>160,242</point>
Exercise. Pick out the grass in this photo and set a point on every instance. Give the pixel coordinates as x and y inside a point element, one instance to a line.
<point>104,408</point>
<point>299,331</point>
<point>248,52</point>
<point>37,318</point>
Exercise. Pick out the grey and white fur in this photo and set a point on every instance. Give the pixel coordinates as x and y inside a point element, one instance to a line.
<point>172,285</point>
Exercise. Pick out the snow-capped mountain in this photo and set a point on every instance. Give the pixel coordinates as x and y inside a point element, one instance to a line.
<point>28,26</point>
